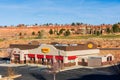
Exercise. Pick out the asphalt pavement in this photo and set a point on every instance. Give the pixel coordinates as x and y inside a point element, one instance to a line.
<point>40,73</point>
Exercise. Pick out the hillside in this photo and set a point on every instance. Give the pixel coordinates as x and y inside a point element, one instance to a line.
<point>26,31</point>
<point>23,35</point>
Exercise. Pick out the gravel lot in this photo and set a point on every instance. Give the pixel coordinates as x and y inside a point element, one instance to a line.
<point>37,73</point>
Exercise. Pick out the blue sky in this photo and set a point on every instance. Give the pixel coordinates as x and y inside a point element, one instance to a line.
<point>95,12</point>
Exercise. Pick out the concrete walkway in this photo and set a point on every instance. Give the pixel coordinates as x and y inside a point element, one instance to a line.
<point>10,78</point>
<point>12,65</point>
<point>75,67</point>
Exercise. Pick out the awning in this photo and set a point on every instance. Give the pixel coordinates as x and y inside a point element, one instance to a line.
<point>71,57</point>
<point>40,56</point>
<point>31,55</point>
<point>59,57</point>
<point>49,56</point>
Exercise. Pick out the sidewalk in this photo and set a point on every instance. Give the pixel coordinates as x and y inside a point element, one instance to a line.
<point>75,67</point>
<point>38,65</point>
<point>12,65</point>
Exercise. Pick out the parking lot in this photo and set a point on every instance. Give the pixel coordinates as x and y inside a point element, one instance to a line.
<point>4,60</point>
<point>40,73</point>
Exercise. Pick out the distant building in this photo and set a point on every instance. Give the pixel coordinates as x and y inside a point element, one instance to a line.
<point>64,54</point>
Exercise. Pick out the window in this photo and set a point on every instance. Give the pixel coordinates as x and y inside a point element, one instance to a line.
<point>109,58</point>
<point>83,60</point>
<point>71,61</point>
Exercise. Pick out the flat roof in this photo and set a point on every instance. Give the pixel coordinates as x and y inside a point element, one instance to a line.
<point>23,46</point>
<point>65,47</point>
<point>109,48</point>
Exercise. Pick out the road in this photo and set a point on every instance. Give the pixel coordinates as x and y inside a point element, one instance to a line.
<point>37,73</point>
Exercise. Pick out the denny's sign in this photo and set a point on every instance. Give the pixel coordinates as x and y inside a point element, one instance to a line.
<point>45,50</point>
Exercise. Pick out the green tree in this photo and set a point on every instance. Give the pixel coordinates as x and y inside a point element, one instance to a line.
<point>51,32</point>
<point>115,28</point>
<point>90,31</point>
<point>108,30</point>
<point>36,24</point>
<point>78,23</point>
<point>73,24</point>
<point>94,32</point>
<point>101,32</point>
<point>58,34</point>
<point>47,24</point>
<point>72,29</point>
<point>33,33</point>
<point>98,33</point>
<point>67,33</point>
<point>61,31</point>
<point>40,34</point>
<point>20,34</point>
<point>5,26</point>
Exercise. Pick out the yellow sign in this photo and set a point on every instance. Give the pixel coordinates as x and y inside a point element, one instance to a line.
<point>90,45</point>
<point>45,50</point>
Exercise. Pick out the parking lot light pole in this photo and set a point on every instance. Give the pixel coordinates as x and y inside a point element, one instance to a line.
<point>54,75</point>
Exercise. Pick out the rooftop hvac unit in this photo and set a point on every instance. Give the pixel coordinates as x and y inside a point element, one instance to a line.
<point>73,44</point>
<point>61,44</point>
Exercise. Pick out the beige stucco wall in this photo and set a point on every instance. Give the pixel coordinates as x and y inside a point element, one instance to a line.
<point>82,52</point>
<point>104,59</point>
<point>53,50</point>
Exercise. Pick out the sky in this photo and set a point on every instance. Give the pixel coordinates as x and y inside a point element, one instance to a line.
<point>29,12</point>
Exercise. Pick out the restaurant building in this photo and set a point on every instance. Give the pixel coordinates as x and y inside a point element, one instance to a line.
<point>64,54</point>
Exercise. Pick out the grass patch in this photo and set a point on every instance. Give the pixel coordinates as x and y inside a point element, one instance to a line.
<point>109,36</point>
<point>76,37</point>
<point>30,38</point>
<point>1,40</point>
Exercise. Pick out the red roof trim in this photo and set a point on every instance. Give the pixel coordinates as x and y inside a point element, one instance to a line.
<point>49,56</point>
<point>31,55</point>
<point>71,57</point>
<point>59,57</point>
<point>40,56</point>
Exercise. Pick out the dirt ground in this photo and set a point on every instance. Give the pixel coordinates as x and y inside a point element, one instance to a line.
<point>101,43</point>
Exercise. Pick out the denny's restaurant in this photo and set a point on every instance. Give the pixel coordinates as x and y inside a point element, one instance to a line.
<point>47,54</point>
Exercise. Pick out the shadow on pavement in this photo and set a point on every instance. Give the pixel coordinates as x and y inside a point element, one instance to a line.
<point>38,76</point>
<point>98,77</point>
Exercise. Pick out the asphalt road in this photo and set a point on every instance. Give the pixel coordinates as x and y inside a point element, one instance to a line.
<point>37,73</point>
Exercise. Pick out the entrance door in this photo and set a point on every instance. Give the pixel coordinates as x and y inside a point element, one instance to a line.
<point>17,58</point>
<point>42,60</point>
<point>109,58</point>
<point>83,62</point>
